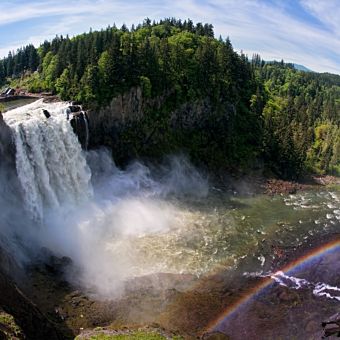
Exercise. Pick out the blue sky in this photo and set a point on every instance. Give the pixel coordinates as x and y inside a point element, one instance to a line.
<point>301,31</point>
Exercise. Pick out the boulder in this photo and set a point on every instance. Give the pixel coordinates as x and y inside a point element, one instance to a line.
<point>79,123</point>
<point>75,108</point>
<point>46,113</point>
<point>7,148</point>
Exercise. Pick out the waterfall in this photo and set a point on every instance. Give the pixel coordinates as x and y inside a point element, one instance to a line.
<point>87,131</point>
<point>50,163</point>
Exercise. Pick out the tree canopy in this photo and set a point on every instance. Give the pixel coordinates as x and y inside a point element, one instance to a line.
<point>259,110</point>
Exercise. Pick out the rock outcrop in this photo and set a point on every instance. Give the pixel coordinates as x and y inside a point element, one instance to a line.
<point>7,149</point>
<point>8,179</point>
<point>79,122</point>
<point>32,323</point>
<point>132,107</point>
<point>123,109</point>
<point>133,125</point>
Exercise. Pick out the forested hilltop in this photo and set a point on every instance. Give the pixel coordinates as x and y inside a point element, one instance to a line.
<point>197,94</point>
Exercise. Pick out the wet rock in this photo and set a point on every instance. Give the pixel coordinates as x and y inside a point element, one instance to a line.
<point>7,149</point>
<point>215,336</point>
<point>56,265</point>
<point>27,316</point>
<point>10,184</point>
<point>75,108</point>
<point>331,329</point>
<point>275,187</point>
<point>79,123</point>
<point>332,326</point>
<point>46,113</point>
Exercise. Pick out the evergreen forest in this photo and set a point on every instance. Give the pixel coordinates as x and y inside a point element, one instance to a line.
<point>257,113</point>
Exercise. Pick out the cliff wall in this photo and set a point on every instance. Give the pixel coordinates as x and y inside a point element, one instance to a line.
<point>133,126</point>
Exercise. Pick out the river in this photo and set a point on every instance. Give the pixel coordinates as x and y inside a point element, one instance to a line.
<point>237,261</point>
<point>12,104</point>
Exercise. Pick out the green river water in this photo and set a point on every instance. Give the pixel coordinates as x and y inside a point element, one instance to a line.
<point>10,105</point>
<point>218,231</point>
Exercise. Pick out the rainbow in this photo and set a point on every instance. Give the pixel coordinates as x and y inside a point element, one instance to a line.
<point>292,266</point>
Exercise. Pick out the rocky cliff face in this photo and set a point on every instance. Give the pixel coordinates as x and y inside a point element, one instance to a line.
<point>132,107</point>
<point>123,109</point>
<point>21,318</point>
<point>7,150</point>
<point>8,177</point>
<point>135,126</point>
<point>79,123</point>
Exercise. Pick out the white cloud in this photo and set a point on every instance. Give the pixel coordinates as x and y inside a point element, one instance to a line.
<point>258,27</point>
<point>255,26</point>
<point>328,12</point>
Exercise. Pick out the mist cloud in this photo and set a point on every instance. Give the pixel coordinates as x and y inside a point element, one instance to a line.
<point>100,236</point>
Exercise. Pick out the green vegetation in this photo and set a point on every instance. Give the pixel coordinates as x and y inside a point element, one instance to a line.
<point>138,335</point>
<point>301,119</point>
<point>8,326</point>
<point>131,336</point>
<point>230,112</point>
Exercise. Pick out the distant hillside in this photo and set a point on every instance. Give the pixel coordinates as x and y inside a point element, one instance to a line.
<point>298,67</point>
<point>302,68</point>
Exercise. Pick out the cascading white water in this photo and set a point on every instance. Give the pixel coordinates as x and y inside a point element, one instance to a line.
<point>87,130</point>
<point>51,167</point>
<point>104,229</point>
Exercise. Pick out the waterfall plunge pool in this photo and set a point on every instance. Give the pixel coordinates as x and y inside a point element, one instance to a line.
<point>167,233</point>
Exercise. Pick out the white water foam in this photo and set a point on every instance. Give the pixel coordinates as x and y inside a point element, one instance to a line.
<point>320,289</point>
<point>50,164</point>
<point>108,221</point>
